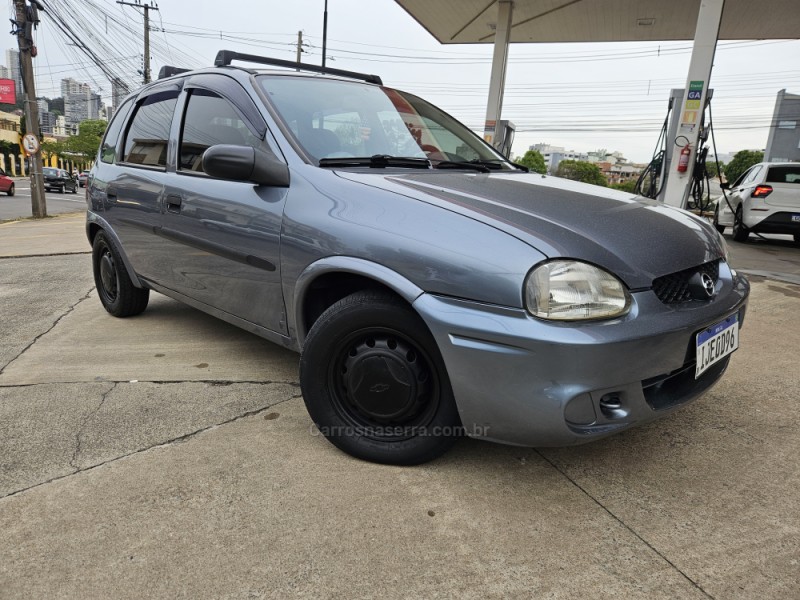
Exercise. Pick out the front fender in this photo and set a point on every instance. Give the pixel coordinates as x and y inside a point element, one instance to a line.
<point>343,264</point>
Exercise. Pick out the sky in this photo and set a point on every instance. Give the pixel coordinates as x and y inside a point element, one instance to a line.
<point>580,96</point>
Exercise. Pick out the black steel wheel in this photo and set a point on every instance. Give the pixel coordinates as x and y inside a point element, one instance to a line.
<point>375,384</point>
<point>117,293</point>
<point>740,231</point>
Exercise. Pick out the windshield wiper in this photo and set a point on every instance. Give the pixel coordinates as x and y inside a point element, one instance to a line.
<point>482,165</point>
<point>377,161</point>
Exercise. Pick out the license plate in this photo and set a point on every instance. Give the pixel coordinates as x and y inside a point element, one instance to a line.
<point>796,218</point>
<point>716,342</point>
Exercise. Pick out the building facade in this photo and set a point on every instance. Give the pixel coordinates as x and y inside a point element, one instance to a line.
<point>783,142</point>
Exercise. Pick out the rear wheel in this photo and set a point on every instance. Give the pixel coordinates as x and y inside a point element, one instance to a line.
<point>10,191</point>
<point>375,384</point>
<point>116,290</point>
<point>797,238</point>
<point>740,231</point>
<point>62,189</point>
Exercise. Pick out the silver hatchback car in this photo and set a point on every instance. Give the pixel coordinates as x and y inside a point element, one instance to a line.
<point>434,288</point>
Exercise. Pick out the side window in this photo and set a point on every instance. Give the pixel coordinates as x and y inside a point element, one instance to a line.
<point>751,176</point>
<point>210,120</point>
<point>108,149</point>
<point>148,133</point>
<point>742,177</point>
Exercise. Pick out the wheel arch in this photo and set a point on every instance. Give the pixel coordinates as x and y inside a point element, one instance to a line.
<point>94,225</point>
<point>328,280</point>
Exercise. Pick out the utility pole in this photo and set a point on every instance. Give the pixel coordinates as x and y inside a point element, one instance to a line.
<point>147,6</point>
<point>24,28</point>
<point>324,32</point>
<point>299,44</point>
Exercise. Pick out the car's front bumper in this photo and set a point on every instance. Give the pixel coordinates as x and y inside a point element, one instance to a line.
<point>520,380</point>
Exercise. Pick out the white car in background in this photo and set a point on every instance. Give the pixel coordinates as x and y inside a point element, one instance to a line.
<point>765,199</point>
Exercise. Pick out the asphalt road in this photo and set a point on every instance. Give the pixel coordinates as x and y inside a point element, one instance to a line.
<point>19,205</point>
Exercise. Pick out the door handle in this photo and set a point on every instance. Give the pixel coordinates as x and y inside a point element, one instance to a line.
<point>174,203</point>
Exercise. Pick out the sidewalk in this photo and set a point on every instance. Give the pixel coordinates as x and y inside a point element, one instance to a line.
<point>170,455</point>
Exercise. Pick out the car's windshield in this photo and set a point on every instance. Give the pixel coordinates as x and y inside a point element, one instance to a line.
<point>50,172</point>
<point>334,119</point>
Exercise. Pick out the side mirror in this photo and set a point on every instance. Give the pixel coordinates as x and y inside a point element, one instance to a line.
<point>244,163</point>
<point>724,185</point>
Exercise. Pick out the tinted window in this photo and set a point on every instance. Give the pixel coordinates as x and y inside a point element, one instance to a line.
<point>210,120</point>
<point>108,150</point>
<point>788,174</point>
<point>50,171</point>
<point>148,134</point>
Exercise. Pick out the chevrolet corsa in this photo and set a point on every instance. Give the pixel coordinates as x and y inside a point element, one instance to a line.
<point>432,287</point>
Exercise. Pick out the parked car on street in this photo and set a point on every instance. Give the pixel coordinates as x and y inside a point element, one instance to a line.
<point>6,183</point>
<point>82,177</point>
<point>765,199</point>
<point>59,180</point>
<point>432,287</point>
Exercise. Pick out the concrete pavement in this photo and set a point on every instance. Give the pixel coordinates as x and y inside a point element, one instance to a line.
<point>170,455</point>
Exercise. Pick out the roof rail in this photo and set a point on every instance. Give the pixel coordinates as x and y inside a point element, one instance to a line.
<point>225,57</point>
<point>168,71</point>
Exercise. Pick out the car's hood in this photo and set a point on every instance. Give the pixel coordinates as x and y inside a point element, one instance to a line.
<point>635,238</point>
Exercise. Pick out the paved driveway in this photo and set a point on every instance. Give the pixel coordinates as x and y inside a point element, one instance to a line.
<point>169,455</point>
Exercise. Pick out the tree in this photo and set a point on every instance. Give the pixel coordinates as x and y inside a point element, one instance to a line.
<point>580,170</point>
<point>741,161</point>
<point>534,160</point>
<point>711,167</point>
<point>51,149</point>
<point>86,143</point>
<point>625,186</point>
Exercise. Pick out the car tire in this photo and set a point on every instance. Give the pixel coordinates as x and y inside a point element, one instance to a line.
<point>62,189</point>
<point>11,190</point>
<point>75,189</point>
<point>717,226</point>
<point>375,384</point>
<point>740,231</point>
<point>797,239</point>
<point>117,293</point>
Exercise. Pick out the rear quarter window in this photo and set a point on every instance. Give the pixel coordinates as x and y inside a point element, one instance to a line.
<point>108,149</point>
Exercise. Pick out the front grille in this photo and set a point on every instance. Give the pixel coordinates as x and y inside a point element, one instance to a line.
<point>675,288</point>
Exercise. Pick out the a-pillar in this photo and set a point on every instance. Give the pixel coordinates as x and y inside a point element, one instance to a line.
<point>502,35</point>
<point>691,107</point>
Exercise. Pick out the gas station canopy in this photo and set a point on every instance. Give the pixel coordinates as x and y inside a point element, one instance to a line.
<point>474,21</point>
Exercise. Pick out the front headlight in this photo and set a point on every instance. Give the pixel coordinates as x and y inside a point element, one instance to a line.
<point>568,290</point>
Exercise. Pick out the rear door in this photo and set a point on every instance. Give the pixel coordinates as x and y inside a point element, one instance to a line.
<point>785,183</point>
<point>134,186</point>
<point>223,236</point>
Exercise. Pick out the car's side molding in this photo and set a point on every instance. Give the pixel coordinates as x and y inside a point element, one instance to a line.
<point>350,265</point>
<point>95,219</point>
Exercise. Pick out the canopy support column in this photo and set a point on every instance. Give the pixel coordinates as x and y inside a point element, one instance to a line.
<point>693,103</point>
<point>502,34</point>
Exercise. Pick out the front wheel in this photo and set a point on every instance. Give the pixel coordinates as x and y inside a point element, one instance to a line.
<point>10,191</point>
<point>717,225</point>
<point>740,231</point>
<point>375,384</point>
<point>117,293</point>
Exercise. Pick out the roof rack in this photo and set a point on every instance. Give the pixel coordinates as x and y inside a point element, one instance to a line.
<point>168,71</point>
<point>225,57</point>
